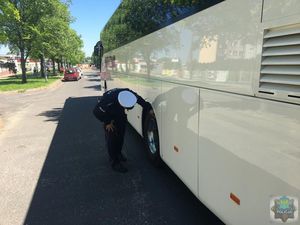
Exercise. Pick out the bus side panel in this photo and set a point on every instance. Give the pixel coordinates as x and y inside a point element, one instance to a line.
<point>249,147</point>
<point>217,48</point>
<point>179,139</point>
<point>278,9</point>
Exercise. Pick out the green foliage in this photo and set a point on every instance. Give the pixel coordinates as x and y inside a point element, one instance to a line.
<point>136,18</point>
<point>19,21</point>
<point>87,60</point>
<point>124,25</point>
<point>133,19</point>
<point>57,40</point>
<point>185,2</point>
<point>39,28</point>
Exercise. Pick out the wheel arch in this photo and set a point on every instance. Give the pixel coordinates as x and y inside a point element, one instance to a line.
<point>144,115</point>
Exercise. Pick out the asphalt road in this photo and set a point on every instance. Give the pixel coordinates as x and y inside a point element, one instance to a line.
<point>54,168</point>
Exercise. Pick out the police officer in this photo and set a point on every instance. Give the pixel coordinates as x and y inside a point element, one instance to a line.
<point>113,105</point>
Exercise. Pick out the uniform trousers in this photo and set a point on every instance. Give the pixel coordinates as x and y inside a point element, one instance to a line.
<point>114,141</point>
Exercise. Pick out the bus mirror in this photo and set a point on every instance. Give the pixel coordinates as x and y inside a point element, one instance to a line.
<point>96,50</point>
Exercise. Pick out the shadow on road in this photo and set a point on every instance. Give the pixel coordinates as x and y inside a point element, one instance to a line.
<point>52,115</point>
<point>91,75</point>
<point>77,186</point>
<point>94,80</point>
<point>96,87</point>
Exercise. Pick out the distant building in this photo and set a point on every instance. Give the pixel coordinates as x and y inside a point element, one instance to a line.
<point>4,69</point>
<point>30,64</point>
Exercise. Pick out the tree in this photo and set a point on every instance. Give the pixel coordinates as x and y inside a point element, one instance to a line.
<point>19,21</point>
<point>73,48</point>
<point>40,29</point>
<point>88,60</point>
<point>136,18</point>
<point>51,39</point>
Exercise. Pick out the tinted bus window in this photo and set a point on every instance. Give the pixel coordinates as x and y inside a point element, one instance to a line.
<point>136,18</point>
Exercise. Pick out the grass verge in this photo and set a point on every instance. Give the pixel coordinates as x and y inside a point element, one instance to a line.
<point>15,84</point>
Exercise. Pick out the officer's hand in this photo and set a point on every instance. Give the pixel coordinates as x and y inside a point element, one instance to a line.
<point>110,127</point>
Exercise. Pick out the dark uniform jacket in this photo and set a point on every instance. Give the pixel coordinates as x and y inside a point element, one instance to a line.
<point>112,109</point>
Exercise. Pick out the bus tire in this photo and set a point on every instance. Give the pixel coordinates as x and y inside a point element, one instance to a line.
<point>151,139</point>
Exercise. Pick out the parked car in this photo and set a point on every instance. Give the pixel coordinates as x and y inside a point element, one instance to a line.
<point>71,74</point>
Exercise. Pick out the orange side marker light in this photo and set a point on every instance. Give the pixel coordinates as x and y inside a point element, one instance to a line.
<point>176,149</point>
<point>235,199</point>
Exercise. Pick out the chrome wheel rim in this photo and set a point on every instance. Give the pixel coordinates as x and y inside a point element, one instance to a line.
<point>151,134</point>
<point>151,142</point>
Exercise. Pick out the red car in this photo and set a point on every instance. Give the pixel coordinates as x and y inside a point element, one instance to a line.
<point>71,74</point>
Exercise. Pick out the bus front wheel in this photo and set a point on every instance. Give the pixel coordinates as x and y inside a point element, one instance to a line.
<point>151,138</point>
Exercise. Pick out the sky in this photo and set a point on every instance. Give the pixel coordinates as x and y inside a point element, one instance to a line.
<point>91,16</point>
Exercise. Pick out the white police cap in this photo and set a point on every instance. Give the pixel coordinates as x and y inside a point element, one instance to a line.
<point>127,99</point>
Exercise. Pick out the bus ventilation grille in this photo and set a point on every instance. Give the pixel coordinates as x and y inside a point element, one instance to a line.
<point>280,67</point>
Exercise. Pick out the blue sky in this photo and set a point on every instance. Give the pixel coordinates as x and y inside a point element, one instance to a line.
<point>91,16</point>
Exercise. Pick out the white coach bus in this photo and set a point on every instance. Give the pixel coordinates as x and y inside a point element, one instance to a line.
<point>224,83</point>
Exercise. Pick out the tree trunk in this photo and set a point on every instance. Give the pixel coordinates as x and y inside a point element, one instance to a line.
<point>42,66</point>
<point>53,66</point>
<point>58,66</point>
<point>23,66</point>
<point>61,62</point>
